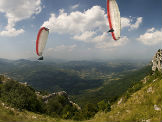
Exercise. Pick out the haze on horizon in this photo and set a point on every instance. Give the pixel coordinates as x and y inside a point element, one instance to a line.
<point>78,29</point>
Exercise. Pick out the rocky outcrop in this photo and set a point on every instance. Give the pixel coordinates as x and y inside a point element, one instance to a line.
<point>157,61</point>
<point>4,78</point>
<point>47,97</point>
<point>62,93</point>
<point>75,105</point>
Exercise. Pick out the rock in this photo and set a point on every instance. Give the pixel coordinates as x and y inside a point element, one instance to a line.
<point>47,97</point>
<point>62,93</point>
<point>128,111</point>
<point>25,83</point>
<point>146,120</point>
<point>157,61</point>
<point>154,80</point>
<point>149,90</point>
<point>120,101</point>
<point>4,78</point>
<point>12,109</point>
<point>75,105</point>
<point>3,104</point>
<point>34,117</point>
<point>145,80</point>
<point>156,108</point>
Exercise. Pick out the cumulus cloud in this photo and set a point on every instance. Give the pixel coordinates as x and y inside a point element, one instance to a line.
<point>90,26</point>
<point>78,22</point>
<point>11,32</point>
<point>102,41</point>
<point>74,6</point>
<point>136,24</point>
<point>128,22</point>
<point>151,30</point>
<point>17,10</point>
<point>86,36</point>
<point>151,37</point>
<point>125,22</point>
<point>92,19</point>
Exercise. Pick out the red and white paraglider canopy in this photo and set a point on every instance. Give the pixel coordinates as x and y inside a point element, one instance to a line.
<point>113,14</point>
<point>41,40</point>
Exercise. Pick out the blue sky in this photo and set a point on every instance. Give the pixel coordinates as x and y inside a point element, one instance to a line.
<point>78,29</point>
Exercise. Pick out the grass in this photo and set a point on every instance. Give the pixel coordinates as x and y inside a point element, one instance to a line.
<point>139,107</point>
<point>8,115</point>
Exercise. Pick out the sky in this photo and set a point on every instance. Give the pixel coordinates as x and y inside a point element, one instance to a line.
<point>78,29</point>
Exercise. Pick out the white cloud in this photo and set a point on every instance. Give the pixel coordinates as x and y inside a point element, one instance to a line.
<point>136,24</point>
<point>90,26</point>
<point>17,10</point>
<point>78,22</point>
<point>62,48</point>
<point>151,30</point>
<point>74,6</point>
<point>11,32</point>
<point>93,19</point>
<point>105,42</point>
<point>128,22</point>
<point>151,37</point>
<point>86,36</point>
<point>125,22</point>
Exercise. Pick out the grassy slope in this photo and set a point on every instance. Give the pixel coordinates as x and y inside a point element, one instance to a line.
<point>8,115</point>
<point>139,107</point>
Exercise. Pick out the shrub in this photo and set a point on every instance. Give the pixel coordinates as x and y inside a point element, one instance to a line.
<point>20,96</point>
<point>89,110</point>
<point>60,106</point>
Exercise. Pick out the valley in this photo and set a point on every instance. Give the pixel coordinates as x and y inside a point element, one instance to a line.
<point>80,79</point>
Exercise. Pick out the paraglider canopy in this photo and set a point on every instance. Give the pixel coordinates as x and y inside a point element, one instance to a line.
<point>41,41</point>
<point>113,14</point>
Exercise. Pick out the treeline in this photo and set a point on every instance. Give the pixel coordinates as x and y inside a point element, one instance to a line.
<point>23,97</point>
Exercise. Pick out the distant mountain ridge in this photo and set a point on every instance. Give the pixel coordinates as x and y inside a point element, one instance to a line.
<point>74,77</point>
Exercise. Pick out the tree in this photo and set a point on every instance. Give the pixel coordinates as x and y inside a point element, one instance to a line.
<point>89,110</point>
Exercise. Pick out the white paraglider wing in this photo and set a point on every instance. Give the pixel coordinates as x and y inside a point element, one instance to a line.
<point>41,40</point>
<point>113,14</point>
